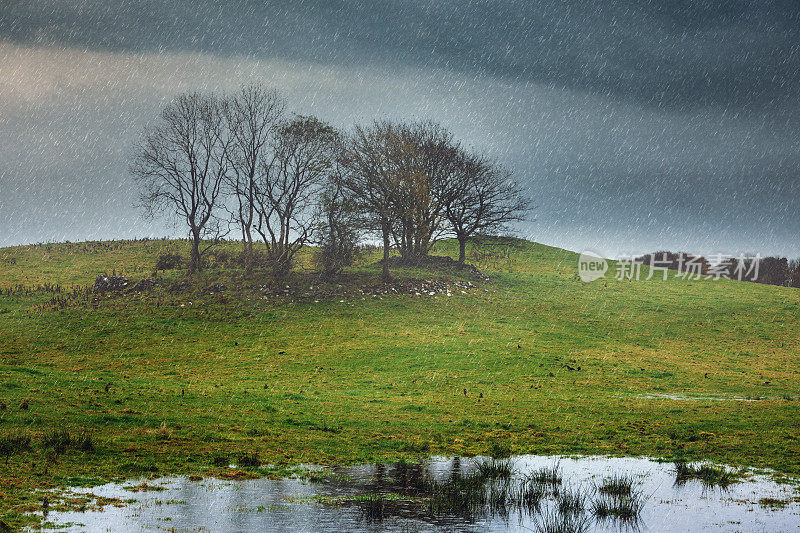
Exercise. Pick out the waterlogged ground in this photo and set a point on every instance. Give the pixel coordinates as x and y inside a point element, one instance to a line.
<point>413,497</point>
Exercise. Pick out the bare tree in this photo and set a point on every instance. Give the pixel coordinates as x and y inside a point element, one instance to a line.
<point>252,115</point>
<point>482,198</point>
<point>289,186</point>
<point>180,166</point>
<point>369,175</point>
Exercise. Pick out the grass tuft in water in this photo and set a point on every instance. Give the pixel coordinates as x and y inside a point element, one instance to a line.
<point>373,506</point>
<point>529,496</point>
<point>464,495</point>
<point>571,500</point>
<point>553,521</point>
<point>547,476</point>
<point>614,506</point>
<point>710,475</point>
<point>494,469</point>
<point>617,484</point>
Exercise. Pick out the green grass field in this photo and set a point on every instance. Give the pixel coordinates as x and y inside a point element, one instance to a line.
<point>195,375</point>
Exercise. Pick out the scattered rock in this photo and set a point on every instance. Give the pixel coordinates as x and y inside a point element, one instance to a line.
<point>107,283</point>
<point>438,263</point>
<point>145,285</point>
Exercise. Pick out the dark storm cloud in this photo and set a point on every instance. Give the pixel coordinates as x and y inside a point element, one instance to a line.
<point>635,125</point>
<point>729,53</point>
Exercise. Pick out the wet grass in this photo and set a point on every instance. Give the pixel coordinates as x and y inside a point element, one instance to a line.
<point>166,380</point>
<point>617,484</point>
<point>373,506</point>
<point>708,474</point>
<point>247,460</point>
<point>549,477</point>
<point>618,507</point>
<point>555,522</point>
<point>11,444</point>
<point>460,495</point>
<point>494,468</point>
<point>221,460</point>
<point>776,503</point>
<point>571,500</point>
<point>60,441</point>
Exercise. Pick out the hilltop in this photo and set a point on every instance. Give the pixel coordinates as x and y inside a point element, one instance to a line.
<point>181,376</point>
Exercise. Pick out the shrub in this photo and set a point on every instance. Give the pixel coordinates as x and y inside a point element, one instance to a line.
<point>220,259</point>
<point>169,261</point>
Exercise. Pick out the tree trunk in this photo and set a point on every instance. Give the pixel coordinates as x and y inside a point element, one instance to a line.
<point>195,265</point>
<point>248,251</point>
<point>385,272</point>
<point>462,248</point>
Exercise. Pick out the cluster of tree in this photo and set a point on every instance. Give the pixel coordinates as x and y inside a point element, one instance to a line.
<point>415,184</point>
<point>680,261</point>
<point>768,270</point>
<point>240,160</point>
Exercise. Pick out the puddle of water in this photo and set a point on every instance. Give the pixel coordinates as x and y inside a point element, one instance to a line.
<point>684,398</point>
<point>338,503</point>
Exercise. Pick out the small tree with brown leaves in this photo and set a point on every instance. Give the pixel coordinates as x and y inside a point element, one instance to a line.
<point>339,232</point>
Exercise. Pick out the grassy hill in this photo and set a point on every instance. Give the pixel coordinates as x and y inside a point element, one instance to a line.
<point>180,378</point>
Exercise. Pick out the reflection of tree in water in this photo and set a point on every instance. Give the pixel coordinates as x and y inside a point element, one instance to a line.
<point>480,491</point>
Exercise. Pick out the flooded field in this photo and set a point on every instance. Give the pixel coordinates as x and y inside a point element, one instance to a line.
<point>524,493</point>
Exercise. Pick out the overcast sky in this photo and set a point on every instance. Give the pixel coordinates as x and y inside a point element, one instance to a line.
<point>635,126</point>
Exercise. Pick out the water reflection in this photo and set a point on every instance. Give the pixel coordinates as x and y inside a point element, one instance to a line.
<point>455,494</point>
